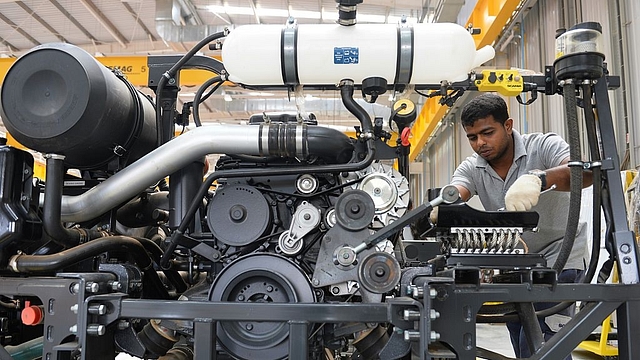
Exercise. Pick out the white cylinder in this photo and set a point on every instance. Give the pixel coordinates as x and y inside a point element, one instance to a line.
<point>327,53</point>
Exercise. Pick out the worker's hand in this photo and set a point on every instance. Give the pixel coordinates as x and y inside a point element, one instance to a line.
<point>433,216</point>
<point>523,194</point>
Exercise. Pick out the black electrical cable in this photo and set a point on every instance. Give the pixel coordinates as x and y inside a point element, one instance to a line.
<point>195,204</point>
<point>171,73</point>
<point>198,98</point>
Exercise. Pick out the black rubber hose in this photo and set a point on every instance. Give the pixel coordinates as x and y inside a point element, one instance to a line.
<point>53,262</point>
<point>51,218</point>
<point>594,149</point>
<point>195,204</point>
<point>155,252</point>
<point>346,93</point>
<point>52,208</point>
<point>575,198</point>
<point>198,97</point>
<point>171,73</point>
<point>571,112</point>
<point>329,144</point>
<point>49,263</point>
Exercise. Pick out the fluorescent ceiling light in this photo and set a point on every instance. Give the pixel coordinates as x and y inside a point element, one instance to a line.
<point>260,93</point>
<point>370,18</point>
<point>304,14</point>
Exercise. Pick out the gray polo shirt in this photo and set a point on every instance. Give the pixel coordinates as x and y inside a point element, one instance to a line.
<point>531,151</point>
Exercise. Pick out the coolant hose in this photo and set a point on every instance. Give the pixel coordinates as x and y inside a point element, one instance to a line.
<point>53,262</point>
<point>22,263</point>
<point>52,208</point>
<point>346,92</point>
<point>575,198</point>
<point>52,222</point>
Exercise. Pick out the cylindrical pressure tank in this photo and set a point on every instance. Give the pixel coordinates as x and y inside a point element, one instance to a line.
<point>58,99</point>
<point>324,54</point>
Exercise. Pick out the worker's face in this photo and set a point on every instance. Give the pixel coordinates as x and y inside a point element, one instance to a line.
<point>489,138</point>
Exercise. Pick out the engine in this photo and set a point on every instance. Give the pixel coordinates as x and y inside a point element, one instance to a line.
<point>286,216</point>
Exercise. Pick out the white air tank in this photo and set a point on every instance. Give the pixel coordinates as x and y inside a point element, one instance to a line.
<point>324,54</point>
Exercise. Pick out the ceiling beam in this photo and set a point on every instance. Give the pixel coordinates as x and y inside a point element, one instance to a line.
<point>140,23</point>
<point>108,25</point>
<point>8,44</point>
<point>42,22</point>
<point>19,29</point>
<point>255,12</point>
<point>74,21</point>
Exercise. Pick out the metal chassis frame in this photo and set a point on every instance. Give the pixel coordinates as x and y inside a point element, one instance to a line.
<point>457,304</point>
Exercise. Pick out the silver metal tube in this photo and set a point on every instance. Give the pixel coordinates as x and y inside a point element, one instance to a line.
<point>165,160</point>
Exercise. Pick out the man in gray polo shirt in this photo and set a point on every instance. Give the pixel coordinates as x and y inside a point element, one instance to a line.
<point>509,170</point>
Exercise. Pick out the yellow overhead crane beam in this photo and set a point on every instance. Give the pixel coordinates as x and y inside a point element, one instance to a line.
<point>133,67</point>
<point>490,16</point>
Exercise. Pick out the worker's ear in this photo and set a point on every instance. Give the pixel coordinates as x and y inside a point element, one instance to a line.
<point>508,125</point>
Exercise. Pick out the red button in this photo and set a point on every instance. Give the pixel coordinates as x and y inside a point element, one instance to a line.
<point>32,315</point>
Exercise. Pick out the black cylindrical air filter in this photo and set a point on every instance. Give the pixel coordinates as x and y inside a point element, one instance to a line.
<point>58,99</point>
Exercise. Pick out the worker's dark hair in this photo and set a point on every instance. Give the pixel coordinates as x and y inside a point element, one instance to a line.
<point>482,106</point>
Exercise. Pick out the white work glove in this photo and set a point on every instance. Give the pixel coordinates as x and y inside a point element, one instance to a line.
<point>523,194</point>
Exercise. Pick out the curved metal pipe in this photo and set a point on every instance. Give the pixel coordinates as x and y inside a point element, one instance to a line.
<point>176,154</point>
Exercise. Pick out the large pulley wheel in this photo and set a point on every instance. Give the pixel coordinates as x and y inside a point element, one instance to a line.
<point>261,278</point>
<point>379,272</point>
<point>238,215</point>
<point>355,210</point>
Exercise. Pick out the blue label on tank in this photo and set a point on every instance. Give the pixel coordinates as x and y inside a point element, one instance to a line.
<point>345,55</point>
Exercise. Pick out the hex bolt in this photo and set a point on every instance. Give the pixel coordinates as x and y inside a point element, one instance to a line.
<point>433,314</point>
<point>411,335</point>
<point>249,327</point>
<point>123,324</point>
<point>73,329</point>
<point>433,293</point>
<point>335,290</point>
<point>411,315</point>
<point>269,288</point>
<point>74,288</point>
<point>92,287</point>
<point>115,285</point>
<point>417,292</point>
<point>74,308</point>
<point>96,330</point>
<point>99,309</point>
<point>315,282</point>
<point>240,297</point>
<point>434,336</point>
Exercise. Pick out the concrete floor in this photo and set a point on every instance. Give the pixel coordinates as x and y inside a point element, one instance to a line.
<point>495,337</point>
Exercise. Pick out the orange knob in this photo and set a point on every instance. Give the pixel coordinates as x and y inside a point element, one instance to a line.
<point>32,314</point>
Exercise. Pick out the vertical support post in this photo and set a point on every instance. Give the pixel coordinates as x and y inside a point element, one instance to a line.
<point>530,325</point>
<point>204,346</point>
<point>624,244</point>
<point>628,328</point>
<point>298,344</point>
